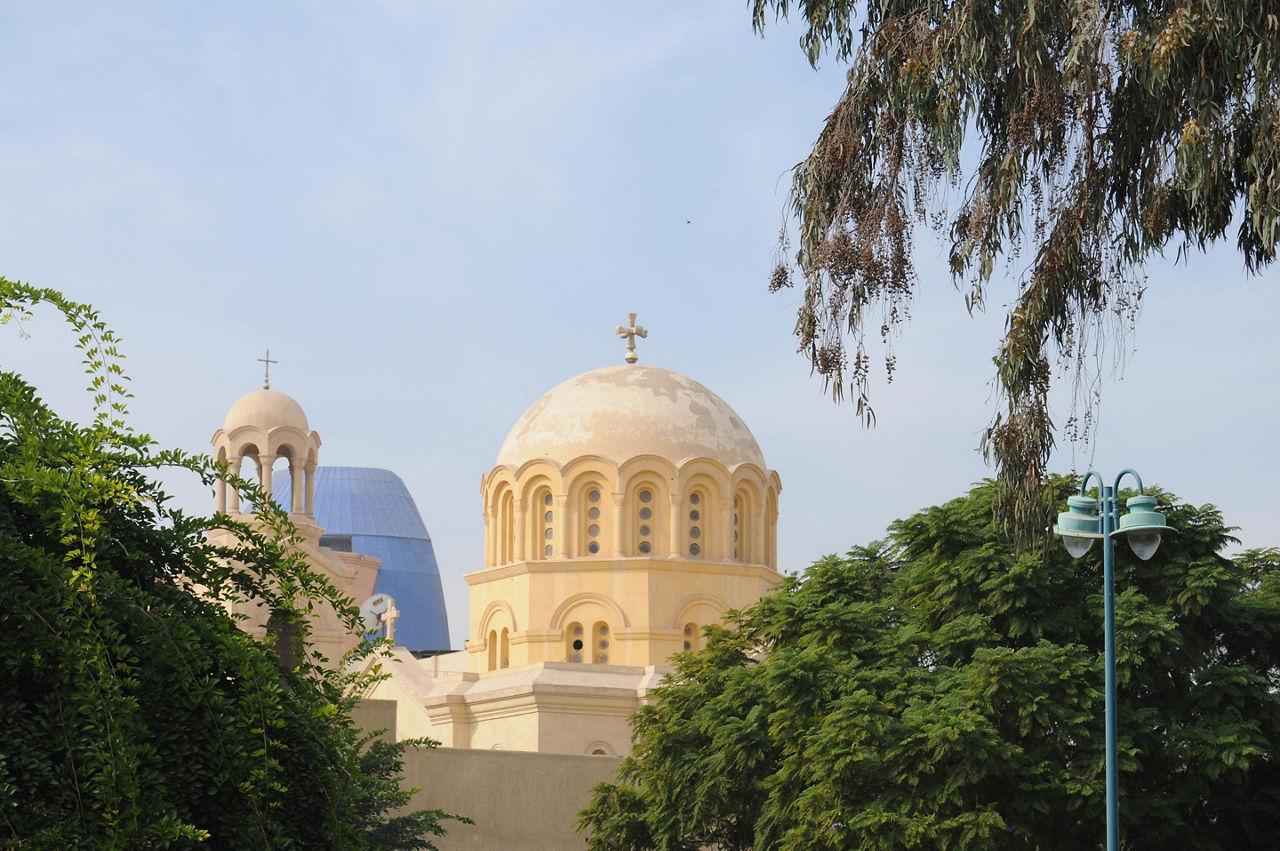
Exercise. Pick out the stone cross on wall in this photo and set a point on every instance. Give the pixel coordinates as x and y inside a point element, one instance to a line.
<point>266,375</point>
<point>629,333</point>
<point>389,618</point>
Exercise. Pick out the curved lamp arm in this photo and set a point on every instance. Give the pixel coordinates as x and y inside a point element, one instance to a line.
<point>1092,474</point>
<point>1123,473</point>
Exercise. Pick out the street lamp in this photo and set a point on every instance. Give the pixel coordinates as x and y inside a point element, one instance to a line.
<point>1143,527</point>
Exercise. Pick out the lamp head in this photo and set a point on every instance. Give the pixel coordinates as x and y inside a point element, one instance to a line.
<point>1078,526</point>
<point>1143,526</point>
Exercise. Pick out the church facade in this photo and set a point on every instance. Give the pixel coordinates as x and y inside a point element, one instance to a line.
<point>628,508</point>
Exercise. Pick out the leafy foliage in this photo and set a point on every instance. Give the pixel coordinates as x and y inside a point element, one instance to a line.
<point>133,710</point>
<point>1091,134</point>
<point>942,691</point>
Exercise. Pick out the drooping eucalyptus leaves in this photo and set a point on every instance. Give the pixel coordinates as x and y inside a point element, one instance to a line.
<point>1069,139</point>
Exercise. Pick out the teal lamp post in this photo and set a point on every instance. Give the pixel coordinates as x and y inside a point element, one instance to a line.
<point>1143,526</point>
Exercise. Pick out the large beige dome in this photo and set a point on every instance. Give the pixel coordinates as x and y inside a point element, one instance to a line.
<point>266,409</point>
<point>620,412</point>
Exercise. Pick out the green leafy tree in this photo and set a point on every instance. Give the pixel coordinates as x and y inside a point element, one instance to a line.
<point>939,690</point>
<point>1087,136</point>
<point>134,712</point>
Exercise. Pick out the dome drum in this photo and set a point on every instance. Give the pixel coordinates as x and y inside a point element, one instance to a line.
<point>699,510</point>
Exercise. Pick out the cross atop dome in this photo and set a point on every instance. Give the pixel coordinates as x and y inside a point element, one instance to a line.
<point>629,333</point>
<point>266,375</point>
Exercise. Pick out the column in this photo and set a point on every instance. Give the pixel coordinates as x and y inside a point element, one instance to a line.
<point>310,506</point>
<point>560,535</point>
<point>522,531</point>
<point>233,494</point>
<point>675,524</point>
<point>724,530</point>
<point>758,521</point>
<point>490,539</point>
<point>264,472</point>
<point>771,532</point>
<point>619,520</point>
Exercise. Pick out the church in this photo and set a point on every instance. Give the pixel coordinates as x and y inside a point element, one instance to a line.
<point>628,508</point>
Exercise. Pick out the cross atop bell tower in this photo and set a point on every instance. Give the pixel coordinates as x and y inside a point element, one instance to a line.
<point>266,374</point>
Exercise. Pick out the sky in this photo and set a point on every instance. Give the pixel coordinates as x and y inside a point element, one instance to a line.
<point>432,213</point>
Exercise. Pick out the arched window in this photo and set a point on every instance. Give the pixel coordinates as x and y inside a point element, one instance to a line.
<point>504,649</point>
<point>698,524</point>
<point>505,533</point>
<point>600,639</point>
<point>591,520</point>
<point>692,637</point>
<point>493,650</point>
<point>246,465</point>
<point>543,508</point>
<point>287,467</point>
<point>575,643</point>
<point>646,520</point>
<point>743,512</point>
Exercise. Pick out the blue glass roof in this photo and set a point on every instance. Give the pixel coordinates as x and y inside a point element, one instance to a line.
<point>375,509</point>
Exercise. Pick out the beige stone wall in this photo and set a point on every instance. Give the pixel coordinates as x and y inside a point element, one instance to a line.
<point>376,715</point>
<point>551,707</point>
<point>352,574</point>
<point>519,801</point>
<point>644,605</point>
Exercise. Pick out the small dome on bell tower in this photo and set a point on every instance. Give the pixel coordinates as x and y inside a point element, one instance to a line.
<point>263,426</point>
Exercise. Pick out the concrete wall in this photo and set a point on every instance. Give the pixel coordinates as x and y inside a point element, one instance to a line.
<point>376,715</point>
<point>520,801</point>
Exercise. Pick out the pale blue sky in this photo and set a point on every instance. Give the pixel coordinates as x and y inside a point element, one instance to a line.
<point>433,213</point>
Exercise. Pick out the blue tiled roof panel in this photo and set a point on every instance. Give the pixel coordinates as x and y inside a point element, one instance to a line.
<point>366,501</point>
<point>375,509</point>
